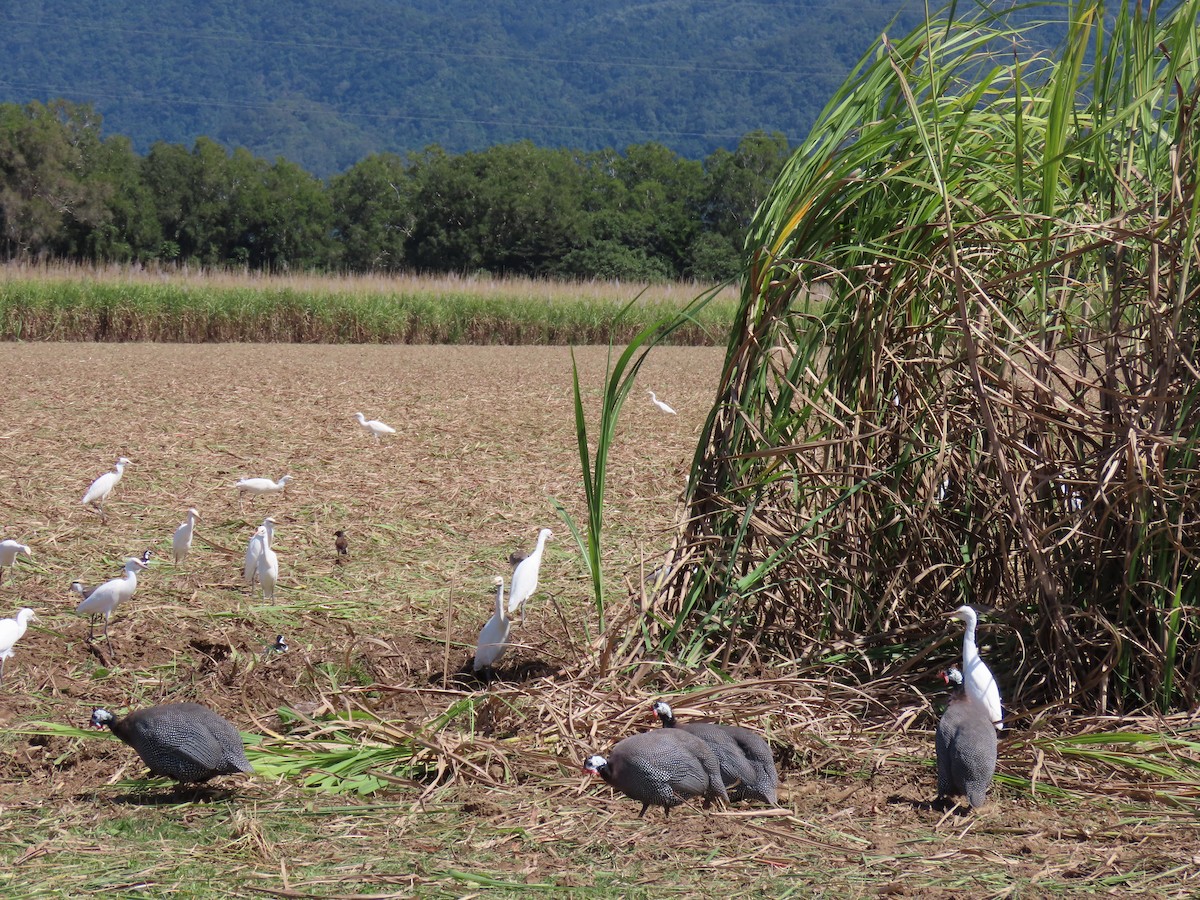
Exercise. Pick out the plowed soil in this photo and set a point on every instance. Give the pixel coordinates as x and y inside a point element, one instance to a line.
<point>485,444</point>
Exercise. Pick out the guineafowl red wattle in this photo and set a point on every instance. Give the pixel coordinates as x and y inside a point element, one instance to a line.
<point>661,768</point>
<point>747,766</point>
<point>184,741</point>
<point>966,747</point>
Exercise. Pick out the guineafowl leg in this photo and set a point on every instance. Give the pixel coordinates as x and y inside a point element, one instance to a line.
<point>646,806</point>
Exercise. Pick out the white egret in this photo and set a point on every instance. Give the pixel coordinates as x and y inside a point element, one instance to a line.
<point>256,486</point>
<point>374,426</point>
<point>8,554</point>
<point>525,576</point>
<point>978,680</point>
<point>181,542</point>
<point>253,552</point>
<point>493,639</point>
<point>104,599</point>
<point>268,561</point>
<point>11,631</point>
<point>103,486</point>
<point>654,399</point>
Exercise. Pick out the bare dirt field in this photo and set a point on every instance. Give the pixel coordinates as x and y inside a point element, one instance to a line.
<point>485,441</point>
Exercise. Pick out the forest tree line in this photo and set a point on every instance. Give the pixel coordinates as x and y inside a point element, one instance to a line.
<point>69,193</point>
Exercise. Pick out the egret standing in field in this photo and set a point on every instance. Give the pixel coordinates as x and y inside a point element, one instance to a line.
<point>374,426</point>
<point>253,552</point>
<point>181,542</point>
<point>978,681</point>
<point>525,575</point>
<point>104,599</point>
<point>654,399</point>
<point>268,561</point>
<point>493,639</point>
<point>11,631</point>
<point>103,486</point>
<point>8,555</point>
<point>256,486</point>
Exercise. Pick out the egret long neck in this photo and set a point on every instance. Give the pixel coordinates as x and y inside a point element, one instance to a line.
<point>501,610</point>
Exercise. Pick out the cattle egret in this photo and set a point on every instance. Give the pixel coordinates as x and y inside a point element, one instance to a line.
<point>374,426</point>
<point>8,554</point>
<point>256,486</point>
<point>660,404</point>
<point>342,543</point>
<point>181,543</point>
<point>493,639</point>
<point>11,631</point>
<point>104,599</point>
<point>525,576</point>
<point>977,677</point>
<point>253,552</point>
<point>103,486</point>
<point>268,562</point>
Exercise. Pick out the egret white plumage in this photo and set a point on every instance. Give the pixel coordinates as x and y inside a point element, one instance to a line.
<point>181,542</point>
<point>664,407</point>
<point>978,681</point>
<point>268,561</point>
<point>256,486</point>
<point>253,552</point>
<point>525,575</point>
<point>9,551</point>
<point>104,599</point>
<point>493,639</point>
<point>103,486</point>
<point>11,631</point>
<point>374,426</point>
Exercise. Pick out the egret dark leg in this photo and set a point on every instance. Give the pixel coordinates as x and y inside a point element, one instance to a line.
<point>3,660</point>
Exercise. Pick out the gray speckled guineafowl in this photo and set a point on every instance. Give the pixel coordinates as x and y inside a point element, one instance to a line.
<point>661,768</point>
<point>184,741</point>
<point>966,747</point>
<point>747,766</point>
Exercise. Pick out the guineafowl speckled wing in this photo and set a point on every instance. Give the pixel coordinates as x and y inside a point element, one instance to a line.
<point>664,768</point>
<point>186,741</point>
<point>966,747</point>
<point>762,761</point>
<point>736,771</point>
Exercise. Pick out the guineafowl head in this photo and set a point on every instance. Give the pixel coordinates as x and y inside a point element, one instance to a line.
<point>595,764</point>
<point>953,676</point>
<point>662,710</point>
<point>102,718</point>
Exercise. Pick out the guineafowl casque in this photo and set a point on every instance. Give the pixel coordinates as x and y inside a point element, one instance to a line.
<point>747,766</point>
<point>661,768</point>
<point>184,741</point>
<point>966,746</point>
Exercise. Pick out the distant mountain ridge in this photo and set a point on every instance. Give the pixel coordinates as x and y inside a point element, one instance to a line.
<point>325,84</point>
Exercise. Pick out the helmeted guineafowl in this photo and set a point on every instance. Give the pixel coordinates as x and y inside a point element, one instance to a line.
<point>966,747</point>
<point>747,766</point>
<point>184,741</point>
<point>661,768</point>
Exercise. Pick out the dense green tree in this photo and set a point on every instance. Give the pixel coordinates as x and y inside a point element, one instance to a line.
<point>735,184</point>
<point>44,153</point>
<point>373,213</point>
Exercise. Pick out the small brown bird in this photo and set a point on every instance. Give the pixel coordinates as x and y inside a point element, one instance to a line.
<point>341,542</point>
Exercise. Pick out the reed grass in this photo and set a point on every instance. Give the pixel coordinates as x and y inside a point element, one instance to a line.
<point>71,304</point>
<point>963,370</point>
